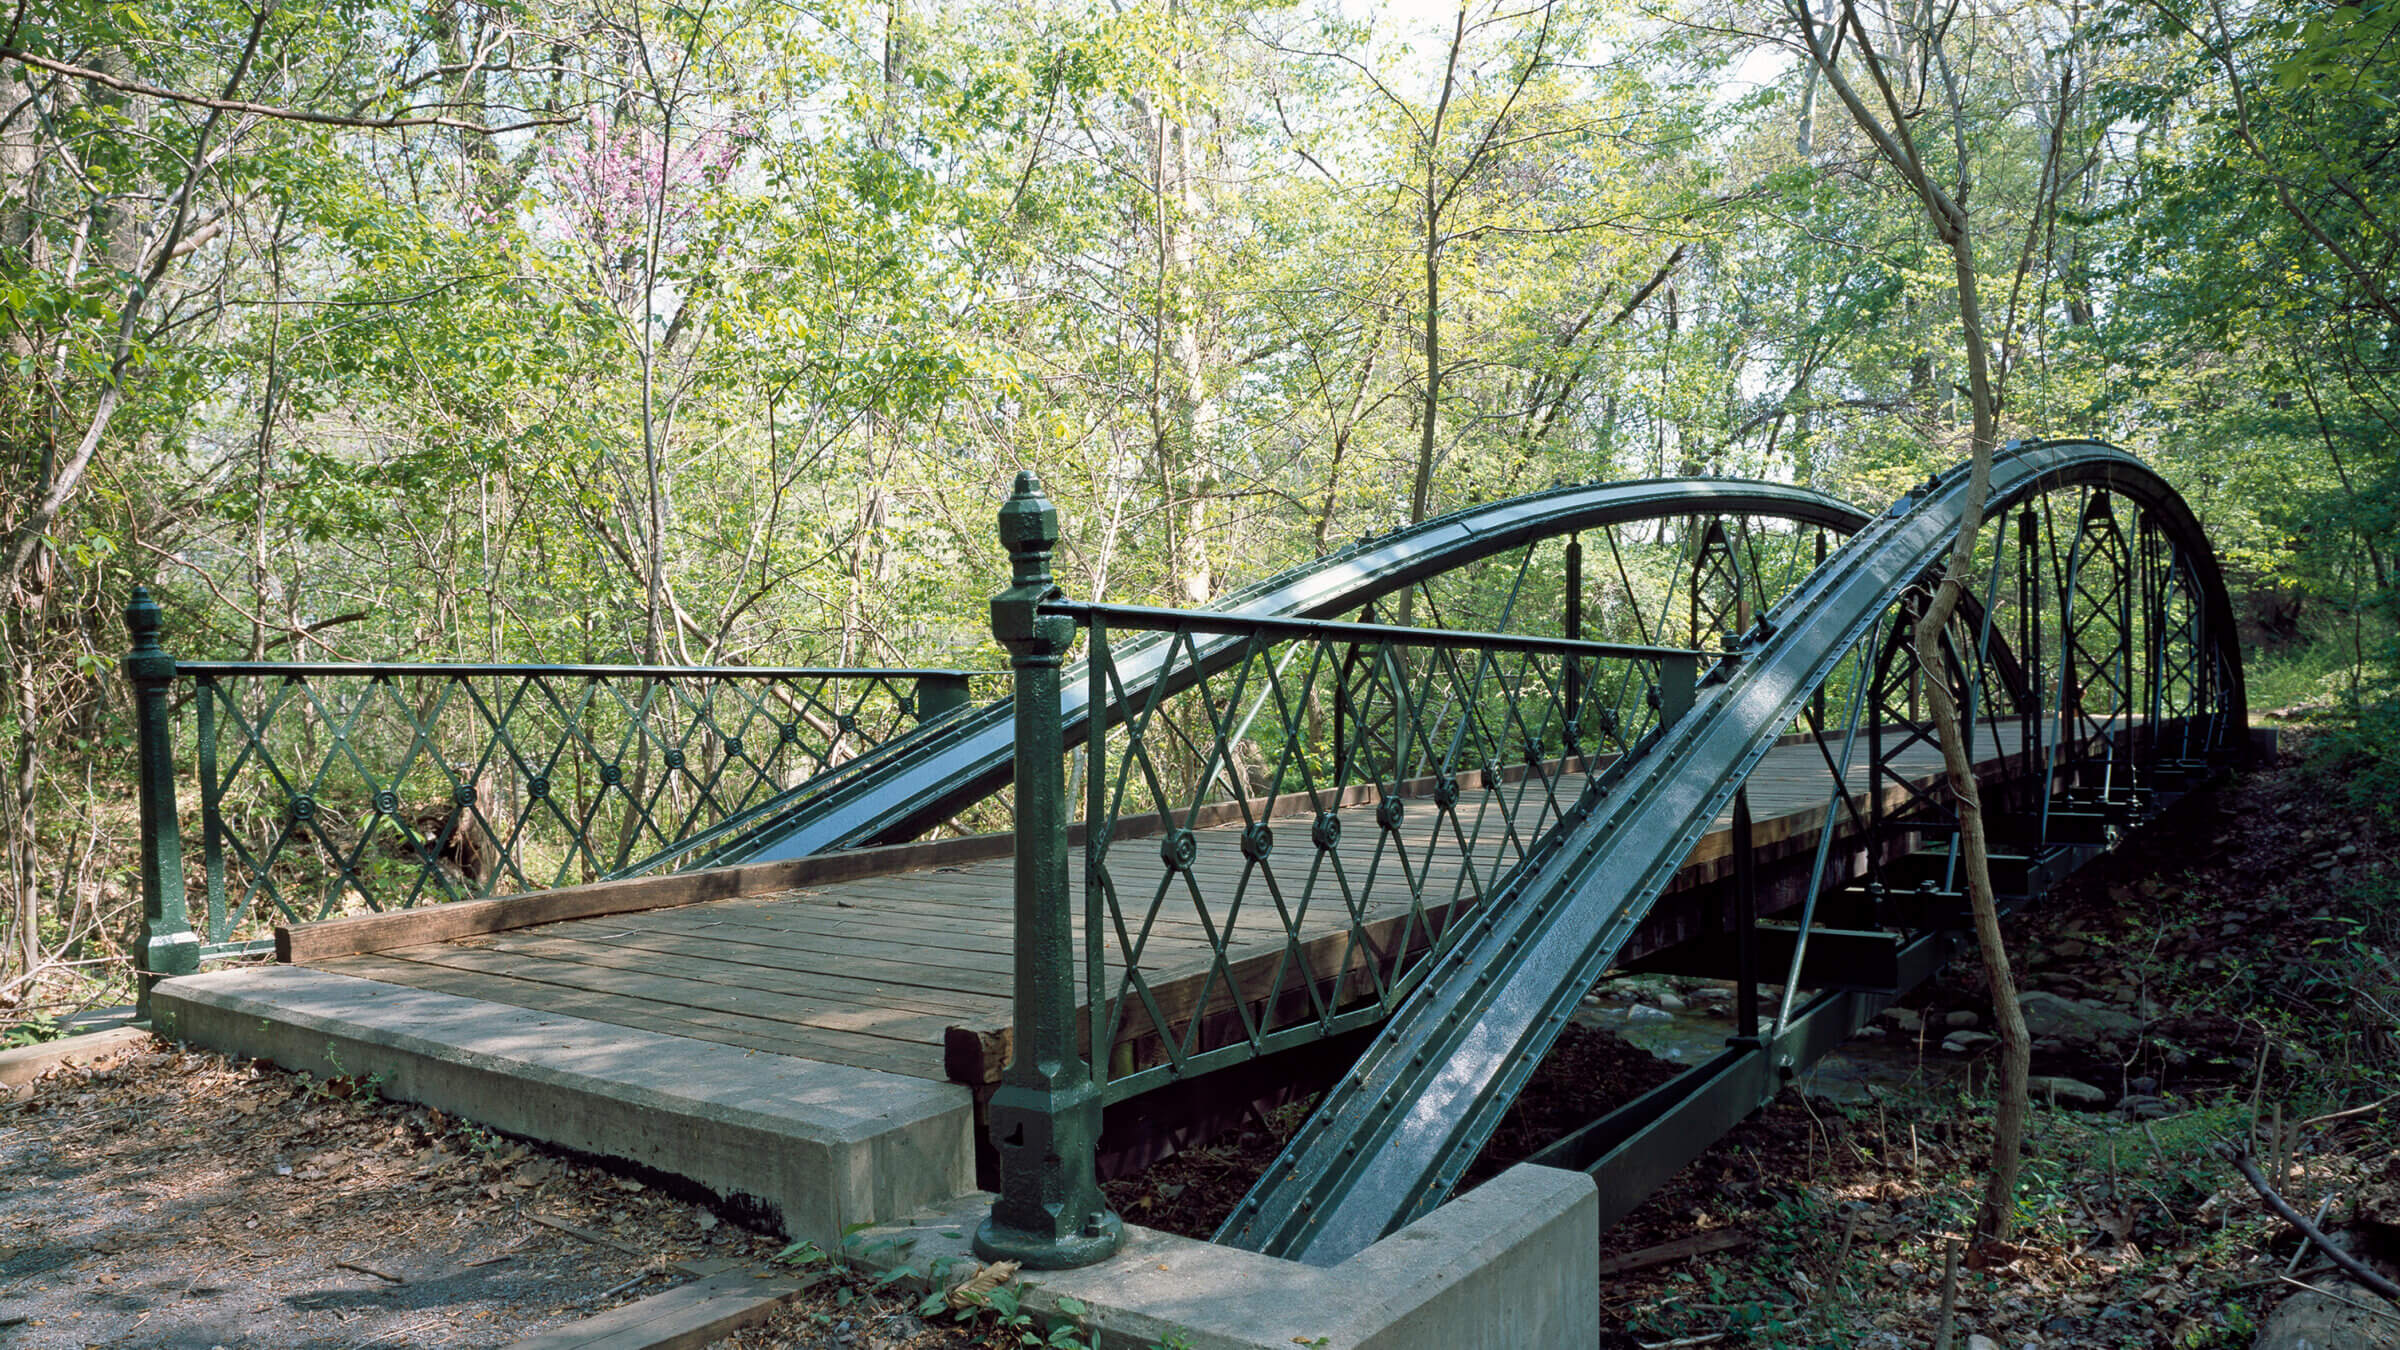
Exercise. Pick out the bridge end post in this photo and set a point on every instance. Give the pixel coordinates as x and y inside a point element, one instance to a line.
<point>1045,1115</point>
<point>1678,684</point>
<point>940,695</point>
<point>168,946</point>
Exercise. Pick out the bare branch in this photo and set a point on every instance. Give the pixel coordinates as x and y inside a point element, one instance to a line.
<point>269,110</point>
<point>2351,1265</point>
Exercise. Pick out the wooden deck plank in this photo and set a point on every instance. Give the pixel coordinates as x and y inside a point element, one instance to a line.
<point>903,974</point>
<point>729,965</point>
<point>894,914</point>
<point>925,953</point>
<point>780,1038</point>
<point>932,944</point>
<point>855,1028</point>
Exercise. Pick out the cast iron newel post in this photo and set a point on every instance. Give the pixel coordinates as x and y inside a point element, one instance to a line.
<point>168,945</point>
<point>1045,1116</point>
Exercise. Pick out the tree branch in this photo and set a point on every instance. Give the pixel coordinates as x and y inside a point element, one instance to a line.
<point>2351,1265</point>
<point>282,114</point>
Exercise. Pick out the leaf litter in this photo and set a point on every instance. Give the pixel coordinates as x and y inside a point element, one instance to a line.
<point>182,1198</point>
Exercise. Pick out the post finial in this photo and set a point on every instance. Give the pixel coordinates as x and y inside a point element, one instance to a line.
<point>144,620</point>
<point>1029,530</point>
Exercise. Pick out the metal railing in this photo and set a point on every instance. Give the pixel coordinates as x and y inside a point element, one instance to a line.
<point>1415,767</point>
<point>1317,814</point>
<point>319,789</point>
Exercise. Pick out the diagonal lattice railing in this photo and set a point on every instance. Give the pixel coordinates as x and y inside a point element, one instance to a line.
<point>1285,822</point>
<point>311,790</point>
<point>1311,821</point>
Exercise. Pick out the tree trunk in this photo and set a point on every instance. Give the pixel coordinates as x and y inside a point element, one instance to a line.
<point>1954,226</point>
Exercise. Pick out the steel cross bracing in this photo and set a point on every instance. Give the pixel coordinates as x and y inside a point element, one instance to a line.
<point>898,791</point>
<point>1392,1138</point>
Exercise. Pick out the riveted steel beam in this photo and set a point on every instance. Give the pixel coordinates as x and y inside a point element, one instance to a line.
<point>1389,1142</point>
<point>1635,1149</point>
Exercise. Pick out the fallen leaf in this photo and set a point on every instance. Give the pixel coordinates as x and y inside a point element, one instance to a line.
<point>977,1289</point>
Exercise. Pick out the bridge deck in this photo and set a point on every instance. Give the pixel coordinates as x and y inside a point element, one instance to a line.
<point>888,972</point>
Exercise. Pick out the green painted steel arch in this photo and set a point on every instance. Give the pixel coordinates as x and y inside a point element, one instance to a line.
<point>1387,1143</point>
<point>897,791</point>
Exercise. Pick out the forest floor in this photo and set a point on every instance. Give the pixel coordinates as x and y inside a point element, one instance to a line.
<point>2228,976</point>
<point>182,1199</point>
<point>2227,979</point>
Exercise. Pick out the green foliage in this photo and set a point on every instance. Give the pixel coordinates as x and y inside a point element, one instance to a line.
<point>2362,745</point>
<point>726,350</point>
<point>33,1030</point>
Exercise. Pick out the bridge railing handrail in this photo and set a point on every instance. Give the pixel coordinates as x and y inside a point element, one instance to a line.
<point>1159,618</point>
<point>326,785</point>
<point>1496,733</point>
<point>460,669</point>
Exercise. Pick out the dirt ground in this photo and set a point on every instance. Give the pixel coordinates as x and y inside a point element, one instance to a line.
<point>181,1199</point>
<point>2249,945</point>
<point>172,1198</point>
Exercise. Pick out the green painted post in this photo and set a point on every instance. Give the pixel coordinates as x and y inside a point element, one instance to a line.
<point>940,695</point>
<point>1678,680</point>
<point>1045,1115</point>
<point>168,946</point>
<point>1816,700</point>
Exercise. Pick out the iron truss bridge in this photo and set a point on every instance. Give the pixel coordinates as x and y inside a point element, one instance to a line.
<point>1374,825</point>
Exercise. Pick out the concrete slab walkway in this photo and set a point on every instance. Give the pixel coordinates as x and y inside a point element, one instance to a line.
<point>815,1146</point>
